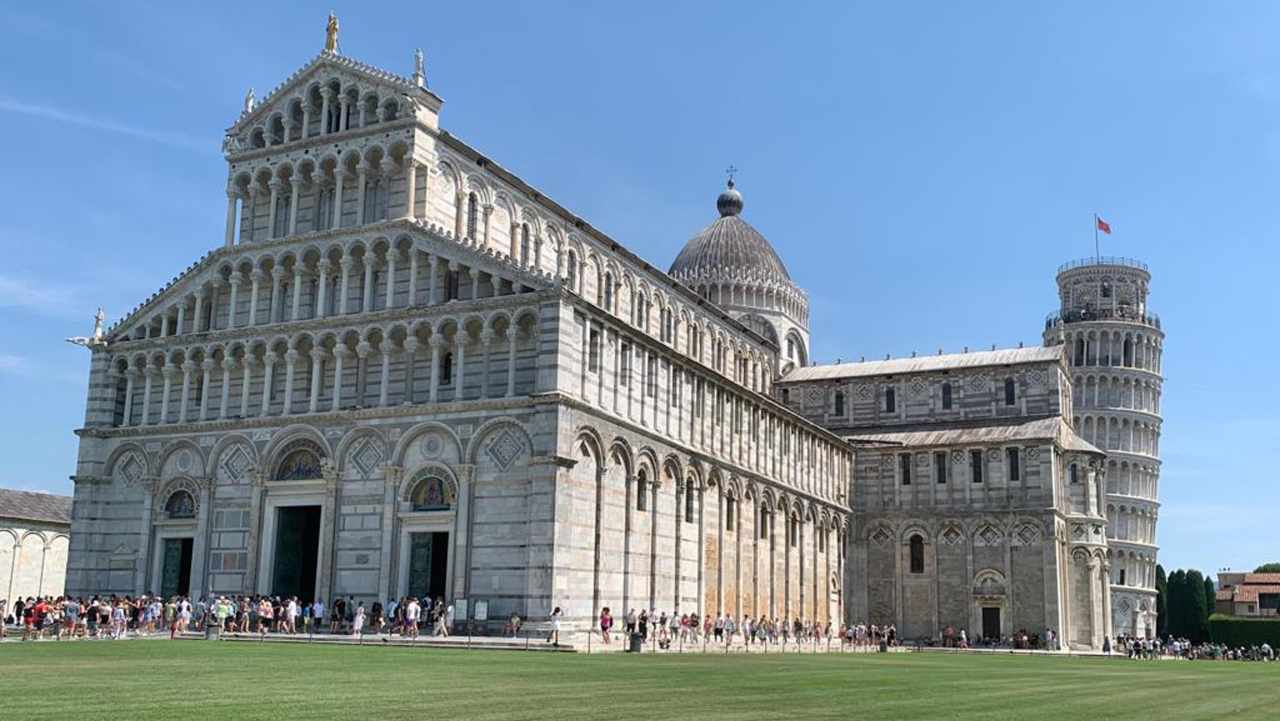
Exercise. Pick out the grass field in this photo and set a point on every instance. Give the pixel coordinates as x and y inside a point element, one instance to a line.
<point>144,680</point>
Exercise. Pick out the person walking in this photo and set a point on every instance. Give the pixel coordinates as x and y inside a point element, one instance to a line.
<point>606,623</point>
<point>357,622</point>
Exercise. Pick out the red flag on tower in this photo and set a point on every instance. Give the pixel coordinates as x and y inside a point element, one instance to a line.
<point>1103,225</point>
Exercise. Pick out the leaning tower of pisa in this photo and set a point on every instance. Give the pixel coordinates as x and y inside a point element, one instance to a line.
<point>1114,348</point>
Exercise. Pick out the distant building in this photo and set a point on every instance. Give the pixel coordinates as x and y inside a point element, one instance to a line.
<point>1248,594</point>
<point>34,532</point>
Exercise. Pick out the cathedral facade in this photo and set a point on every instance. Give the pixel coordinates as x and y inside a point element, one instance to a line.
<point>408,372</point>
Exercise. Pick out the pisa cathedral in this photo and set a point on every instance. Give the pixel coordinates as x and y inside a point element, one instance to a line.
<point>406,371</point>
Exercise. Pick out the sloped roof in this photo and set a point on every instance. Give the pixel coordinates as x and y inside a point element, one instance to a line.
<point>924,364</point>
<point>32,506</point>
<point>730,247</point>
<point>1039,429</point>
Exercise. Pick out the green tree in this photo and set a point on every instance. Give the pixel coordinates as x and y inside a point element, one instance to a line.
<point>1210,598</point>
<point>1197,613</point>
<point>1177,603</point>
<point>1162,602</point>
<point>1268,568</point>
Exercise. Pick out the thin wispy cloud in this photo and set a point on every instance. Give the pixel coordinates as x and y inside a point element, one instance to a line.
<point>46,298</point>
<point>46,112</point>
<point>30,370</point>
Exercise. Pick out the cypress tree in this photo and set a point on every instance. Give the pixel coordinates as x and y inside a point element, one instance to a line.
<point>1162,602</point>
<point>1177,604</point>
<point>1197,613</point>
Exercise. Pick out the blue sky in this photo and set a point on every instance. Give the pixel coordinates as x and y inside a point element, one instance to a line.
<point>922,167</point>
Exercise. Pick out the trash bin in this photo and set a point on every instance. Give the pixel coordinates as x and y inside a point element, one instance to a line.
<point>884,647</point>
<point>637,642</point>
<point>209,625</point>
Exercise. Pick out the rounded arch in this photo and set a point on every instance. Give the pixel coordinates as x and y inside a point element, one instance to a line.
<point>172,450</point>
<point>288,435</point>
<point>350,439</point>
<point>409,483</point>
<point>489,429</point>
<point>398,456</point>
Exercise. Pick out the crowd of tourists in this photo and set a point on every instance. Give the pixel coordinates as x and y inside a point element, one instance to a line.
<point>1157,648</point>
<point>115,617</point>
<point>661,629</point>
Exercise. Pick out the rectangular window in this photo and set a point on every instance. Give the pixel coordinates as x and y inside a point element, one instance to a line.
<point>1010,392</point>
<point>976,466</point>
<point>652,380</point>
<point>624,366</point>
<point>451,283</point>
<point>1011,461</point>
<point>946,396</point>
<point>839,409</point>
<point>890,400</point>
<point>593,350</point>
<point>730,512</point>
<point>904,468</point>
<point>1075,474</point>
<point>940,466</point>
<point>446,368</point>
<point>764,523</point>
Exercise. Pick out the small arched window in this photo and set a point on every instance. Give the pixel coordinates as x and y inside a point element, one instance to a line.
<point>433,494</point>
<point>688,501</point>
<point>608,292</point>
<point>180,505</point>
<point>299,465</point>
<point>473,212</point>
<point>642,492</point>
<point>917,554</point>
<point>730,513</point>
<point>1079,360</point>
<point>524,244</point>
<point>946,396</point>
<point>571,272</point>
<point>764,523</point>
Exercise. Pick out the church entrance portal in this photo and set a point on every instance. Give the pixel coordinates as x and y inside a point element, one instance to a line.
<point>428,564</point>
<point>175,573</point>
<point>991,623</point>
<point>296,549</point>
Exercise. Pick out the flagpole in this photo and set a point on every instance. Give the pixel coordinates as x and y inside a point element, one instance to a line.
<point>1097,253</point>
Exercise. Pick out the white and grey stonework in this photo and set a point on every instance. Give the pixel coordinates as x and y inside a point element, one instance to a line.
<point>409,367</point>
<point>1114,346</point>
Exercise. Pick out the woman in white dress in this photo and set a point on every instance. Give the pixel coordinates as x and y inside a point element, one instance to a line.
<point>554,638</point>
<point>357,624</point>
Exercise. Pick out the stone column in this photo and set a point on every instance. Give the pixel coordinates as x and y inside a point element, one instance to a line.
<point>291,362</point>
<point>297,293</point>
<point>274,315</point>
<point>328,522</point>
<point>363,349</point>
<point>340,354</point>
<point>256,491</point>
<point>250,211</point>
<point>147,375</point>
<point>326,102</point>
<point>234,282</point>
<point>345,264</point>
<point>246,381</point>
<point>362,187</point>
<point>437,343</point>
<point>274,185</point>
<point>306,119</point>
<point>366,302</point>
<point>391,278</point>
<point>460,382</point>
<point>475,283</point>
<point>232,197</point>
<point>339,176</point>
<point>205,367</point>
<point>317,359</point>
<point>413,277</point>
<point>169,371</point>
<point>322,287</point>
<point>344,111</point>
<point>391,484</point>
<point>295,184</point>
<point>515,241</point>
<point>227,364</point>
<point>486,343</point>
<point>187,369</point>
<point>513,334</point>
<point>269,367</point>
<point>256,278</point>
<point>410,187</point>
<point>410,358</point>
<point>488,212</point>
<point>385,377</point>
<point>182,316</point>
<point>197,324</point>
<point>387,168</point>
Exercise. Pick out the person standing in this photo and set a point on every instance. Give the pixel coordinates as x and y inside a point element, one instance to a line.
<point>554,637</point>
<point>606,623</point>
<point>357,622</point>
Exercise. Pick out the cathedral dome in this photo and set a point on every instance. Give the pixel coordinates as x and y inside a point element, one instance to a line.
<point>729,249</point>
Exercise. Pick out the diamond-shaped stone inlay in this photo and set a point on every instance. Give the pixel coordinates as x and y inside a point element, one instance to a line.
<point>952,536</point>
<point>505,448</point>
<point>989,536</point>
<point>132,469</point>
<point>880,536</point>
<point>367,457</point>
<point>1027,535</point>
<point>235,463</point>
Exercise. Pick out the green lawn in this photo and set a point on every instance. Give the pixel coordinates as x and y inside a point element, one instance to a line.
<point>142,680</point>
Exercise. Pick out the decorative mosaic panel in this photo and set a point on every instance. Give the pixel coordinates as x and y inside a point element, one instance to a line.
<point>366,457</point>
<point>952,536</point>
<point>987,536</point>
<point>505,447</point>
